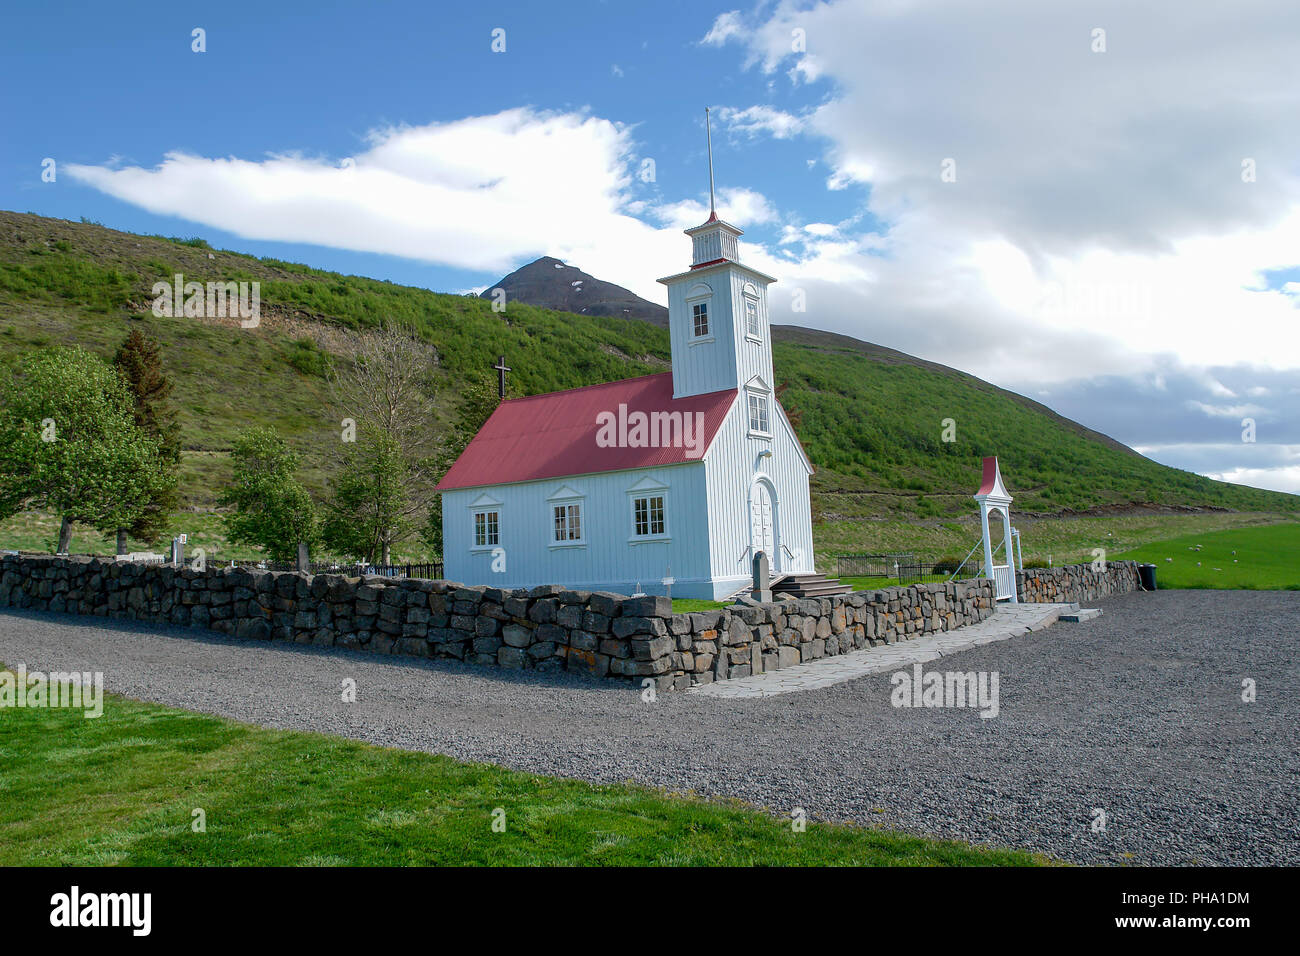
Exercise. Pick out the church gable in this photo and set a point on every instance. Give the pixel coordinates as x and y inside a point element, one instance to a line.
<point>563,493</point>
<point>648,483</point>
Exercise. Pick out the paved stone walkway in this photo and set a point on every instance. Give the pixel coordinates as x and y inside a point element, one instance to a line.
<point>1008,620</point>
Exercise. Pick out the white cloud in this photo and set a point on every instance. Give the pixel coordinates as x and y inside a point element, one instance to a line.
<point>1274,479</point>
<point>725,26</point>
<point>1098,202</point>
<point>483,193</point>
<point>756,120</point>
<point>1226,411</point>
<point>739,206</point>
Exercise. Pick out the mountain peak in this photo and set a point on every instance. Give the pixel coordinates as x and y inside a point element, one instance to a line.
<point>553,284</point>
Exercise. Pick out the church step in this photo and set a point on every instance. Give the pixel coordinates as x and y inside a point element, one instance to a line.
<point>816,592</point>
<point>809,586</point>
<point>1079,616</point>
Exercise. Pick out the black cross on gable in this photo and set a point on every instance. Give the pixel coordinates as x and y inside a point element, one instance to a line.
<point>502,368</point>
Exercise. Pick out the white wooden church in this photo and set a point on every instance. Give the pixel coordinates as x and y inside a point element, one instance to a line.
<point>681,477</point>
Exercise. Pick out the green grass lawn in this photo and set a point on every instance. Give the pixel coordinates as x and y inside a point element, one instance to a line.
<point>122,789</point>
<point>684,605</point>
<point>1062,540</point>
<point>1265,558</point>
<point>876,584</point>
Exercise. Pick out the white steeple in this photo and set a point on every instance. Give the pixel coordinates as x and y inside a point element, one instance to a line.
<point>714,240</point>
<point>717,310</point>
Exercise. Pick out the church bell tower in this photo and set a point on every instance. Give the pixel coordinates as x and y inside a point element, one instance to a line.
<point>718,312</point>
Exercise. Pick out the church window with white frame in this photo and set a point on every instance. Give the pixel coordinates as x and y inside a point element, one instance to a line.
<point>758,414</point>
<point>751,318</point>
<point>648,516</point>
<point>568,523</point>
<point>700,319</point>
<point>487,529</point>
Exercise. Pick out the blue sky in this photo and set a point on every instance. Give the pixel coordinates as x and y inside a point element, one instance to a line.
<point>125,88</point>
<point>1100,247</point>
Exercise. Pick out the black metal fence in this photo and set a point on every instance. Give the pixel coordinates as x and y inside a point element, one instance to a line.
<point>431,570</point>
<point>872,565</point>
<point>920,570</point>
<point>900,568</point>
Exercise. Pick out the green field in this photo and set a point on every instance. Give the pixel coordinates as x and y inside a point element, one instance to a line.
<point>1060,540</point>
<point>1264,558</point>
<point>122,789</point>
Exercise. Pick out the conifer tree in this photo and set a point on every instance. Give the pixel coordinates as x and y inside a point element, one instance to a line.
<point>139,362</point>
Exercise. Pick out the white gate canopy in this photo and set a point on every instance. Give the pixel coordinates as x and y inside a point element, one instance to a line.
<point>993,496</point>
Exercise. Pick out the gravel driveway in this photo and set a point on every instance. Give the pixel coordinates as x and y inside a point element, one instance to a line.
<point>1138,713</point>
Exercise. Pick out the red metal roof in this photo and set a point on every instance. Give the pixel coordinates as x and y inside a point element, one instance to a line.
<point>992,484</point>
<point>555,435</point>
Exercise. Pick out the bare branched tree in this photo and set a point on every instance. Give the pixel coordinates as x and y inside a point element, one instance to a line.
<point>387,390</point>
<point>388,386</point>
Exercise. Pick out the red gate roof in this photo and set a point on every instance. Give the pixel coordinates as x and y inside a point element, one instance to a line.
<point>555,435</point>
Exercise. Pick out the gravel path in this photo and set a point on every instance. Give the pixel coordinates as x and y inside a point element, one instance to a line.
<point>1138,713</point>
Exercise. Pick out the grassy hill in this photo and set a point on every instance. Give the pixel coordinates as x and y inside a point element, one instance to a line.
<point>871,416</point>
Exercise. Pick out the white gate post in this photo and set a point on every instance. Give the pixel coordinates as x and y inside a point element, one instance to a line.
<point>993,494</point>
<point>988,539</point>
<point>1008,545</point>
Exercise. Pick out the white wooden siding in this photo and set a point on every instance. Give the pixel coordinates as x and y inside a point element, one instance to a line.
<point>733,357</point>
<point>732,466</point>
<point>700,367</point>
<point>608,560</point>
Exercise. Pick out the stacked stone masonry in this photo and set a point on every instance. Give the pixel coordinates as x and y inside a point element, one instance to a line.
<point>1076,583</point>
<point>546,628</point>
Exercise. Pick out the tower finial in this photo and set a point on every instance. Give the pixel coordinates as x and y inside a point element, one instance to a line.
<point>708,132</point>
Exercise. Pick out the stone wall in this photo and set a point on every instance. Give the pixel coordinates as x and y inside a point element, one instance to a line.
<point>547,627</point>
<point>1076,582</point>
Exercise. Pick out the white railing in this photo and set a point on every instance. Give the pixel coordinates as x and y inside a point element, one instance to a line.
<point>1004,581</point>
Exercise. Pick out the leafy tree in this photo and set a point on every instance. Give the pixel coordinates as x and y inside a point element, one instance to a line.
<point>271,509</point>
<point>139,362</point>
<point>478,400</point>
<point>69,443</point>
<point>368,510</point>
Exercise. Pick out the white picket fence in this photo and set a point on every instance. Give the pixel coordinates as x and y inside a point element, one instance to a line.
<point>1004,581</point>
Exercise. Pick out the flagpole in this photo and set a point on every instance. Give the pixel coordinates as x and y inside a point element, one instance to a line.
<point>708,132</point>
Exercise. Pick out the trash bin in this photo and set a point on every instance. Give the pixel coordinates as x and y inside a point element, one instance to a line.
<point>1147,575</point>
